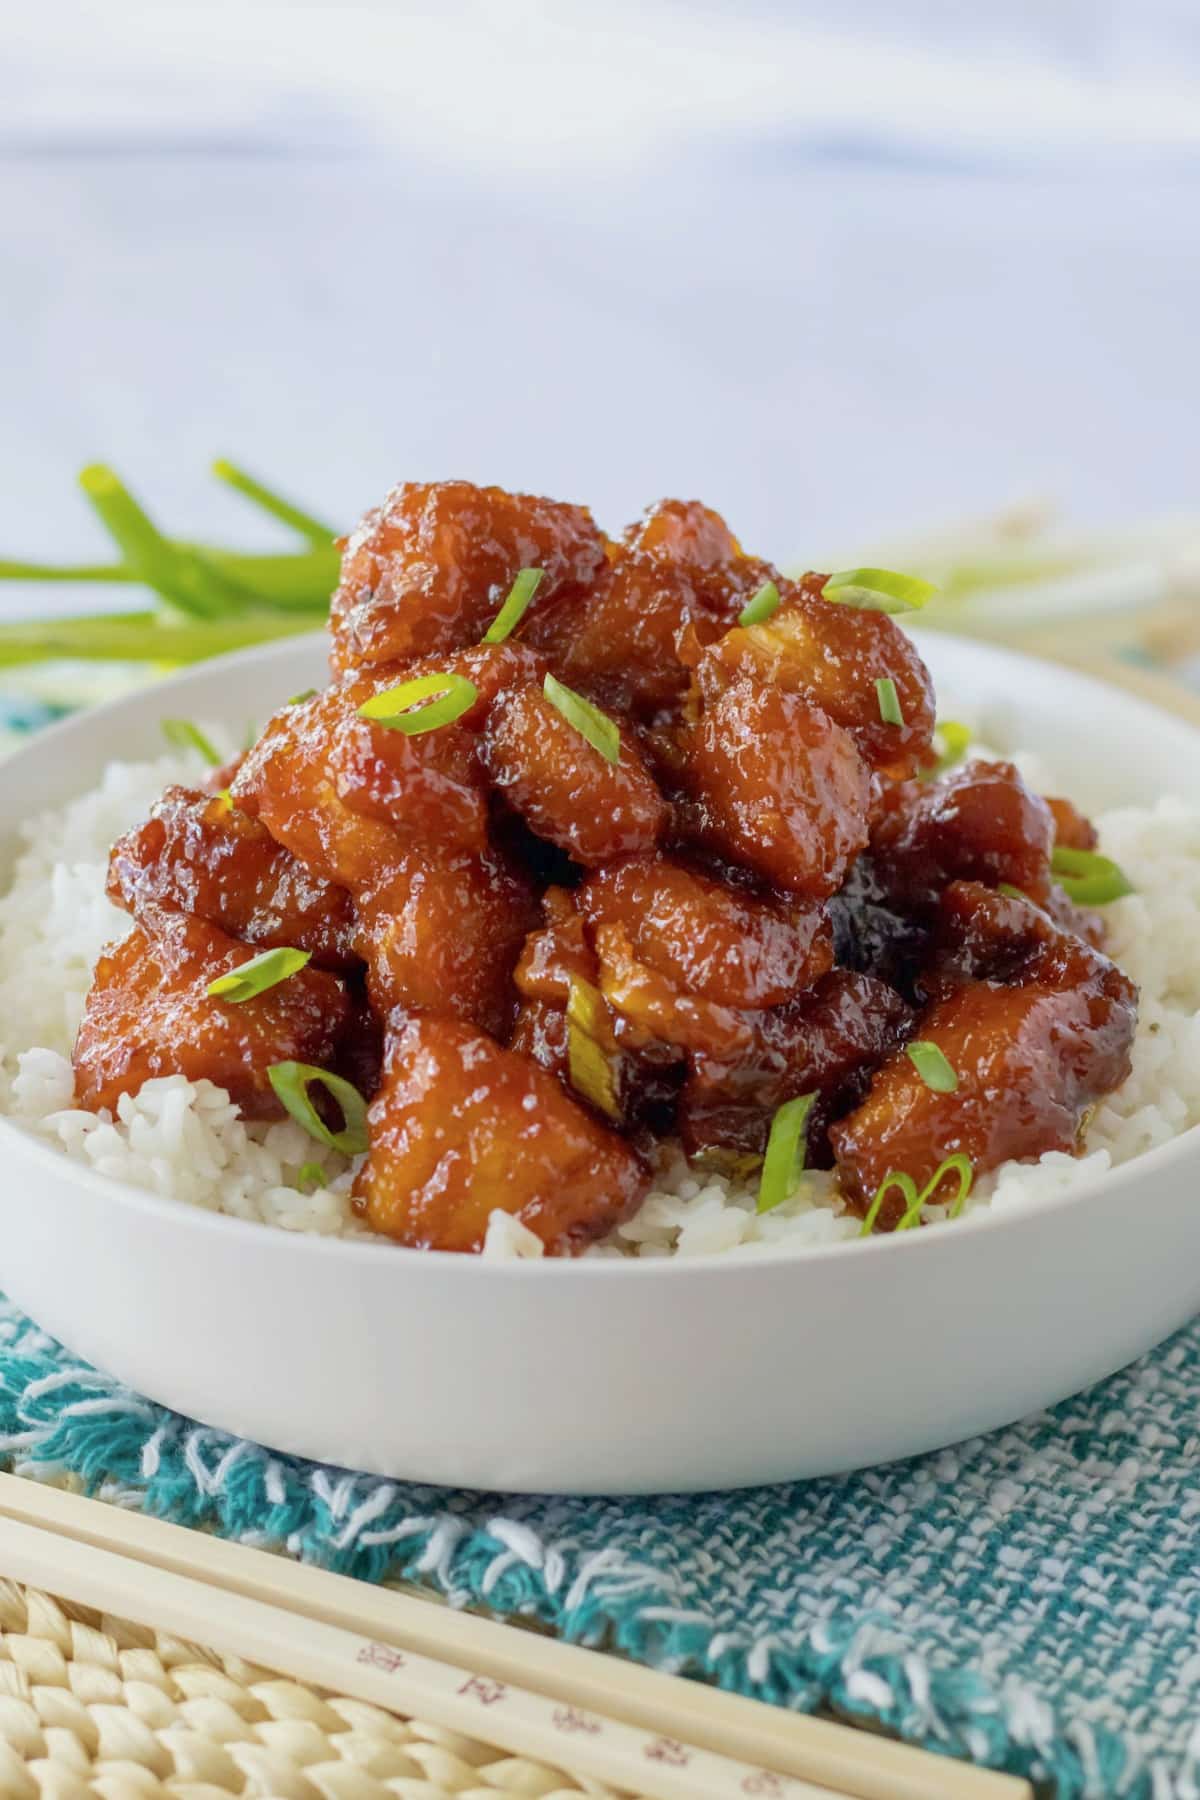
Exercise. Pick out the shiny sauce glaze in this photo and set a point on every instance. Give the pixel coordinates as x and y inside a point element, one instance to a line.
<point>676,852</point>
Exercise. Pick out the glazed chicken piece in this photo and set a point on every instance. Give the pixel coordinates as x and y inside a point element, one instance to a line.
<point>623,1072</point>
<point>1037,1026</point>
<point>826,1042</point>
<point>833,655</point>
<point>676,581</point>
<point>979,823</point>
<point>199,854</point>
<point>462,1127</point>
<point>711,938</point>
<point>565,789</point>
<point>443,930</point>
<point>148,1014</point>
<point>428,570</point>
<point>777,787</point>
<point>346,794</point>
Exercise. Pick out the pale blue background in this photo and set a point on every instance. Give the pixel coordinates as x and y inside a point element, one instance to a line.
<point>839,270</point>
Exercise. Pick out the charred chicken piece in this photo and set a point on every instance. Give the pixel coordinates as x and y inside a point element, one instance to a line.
<point>428,570</point>
<point>461,1127</point>
<point>827,1043</point>
<point>1035,1024</point>
<point>149,1013</point>
<point>980,823</point>
<point>197,853</point>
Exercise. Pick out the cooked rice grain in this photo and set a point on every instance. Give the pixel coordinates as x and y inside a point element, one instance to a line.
<point>185,1141</point>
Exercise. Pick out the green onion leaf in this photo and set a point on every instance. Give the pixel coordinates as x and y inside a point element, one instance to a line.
<point>879,590</point>
<point>890,710</point>
<point>787,1148</point>
<point>956,740</point>
<point>411,708</point>
<point>291,1082</point>
<point>301,697</point>
<point>309,1176</point>
<point>185,577</point>
<point>761,606</point>
<point>260,973</point>
<point>315,530</point>
<point>183,735</point>
<point>1087,877</point>
<point>932,1066</point>
<point>600,731</point>
<point>914,1202</point>
<point>515,606</point>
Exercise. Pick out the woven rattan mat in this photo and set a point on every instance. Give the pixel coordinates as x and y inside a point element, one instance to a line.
<point>90,1704</point>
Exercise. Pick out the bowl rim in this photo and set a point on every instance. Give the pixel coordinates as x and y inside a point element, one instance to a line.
<point>17,1138</point>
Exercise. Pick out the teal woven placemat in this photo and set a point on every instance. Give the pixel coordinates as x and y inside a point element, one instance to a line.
<point>1030,1600</point>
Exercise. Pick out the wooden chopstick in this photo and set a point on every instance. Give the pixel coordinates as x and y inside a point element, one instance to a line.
<point>832,1759</point>
<point>459,1698</point>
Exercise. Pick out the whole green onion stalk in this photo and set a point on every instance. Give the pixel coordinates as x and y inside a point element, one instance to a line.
<point>206,599</point>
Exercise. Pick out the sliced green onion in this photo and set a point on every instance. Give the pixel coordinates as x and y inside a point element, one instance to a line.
<point>301,697</point>
<point>1011,892</point>
<point>914,1202</point>
<point>225,796</point>
<point>956,740</point>
<point>411,709</point>
<point>600,731</point>
<point>264,971</point>
<point>787,1148</point>
<point>291,1082</point>
<point>904,1184</point>
<point>591,1068</point>
<point>184,735</point>
<point>890,710</point>
<point>1087,877</point>
<point>315,530</point>
<point>309,1176</point>
<point>761,606</point>
<point>931,1064</point>
<point>515,606</point>
<point>879,590</point>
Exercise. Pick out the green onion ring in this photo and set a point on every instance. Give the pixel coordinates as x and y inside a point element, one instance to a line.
<point>291,1082</point>
<point>879,590</point>
<point>400,708</point>
<point>914,1202</point>
<point>1087,877</point>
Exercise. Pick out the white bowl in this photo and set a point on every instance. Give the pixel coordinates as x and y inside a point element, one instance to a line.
<point>603,1376</point>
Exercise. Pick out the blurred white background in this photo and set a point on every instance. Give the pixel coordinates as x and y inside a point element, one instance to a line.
<point>840,269</point>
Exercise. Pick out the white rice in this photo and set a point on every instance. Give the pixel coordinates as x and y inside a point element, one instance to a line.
<point>184,1140</point>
